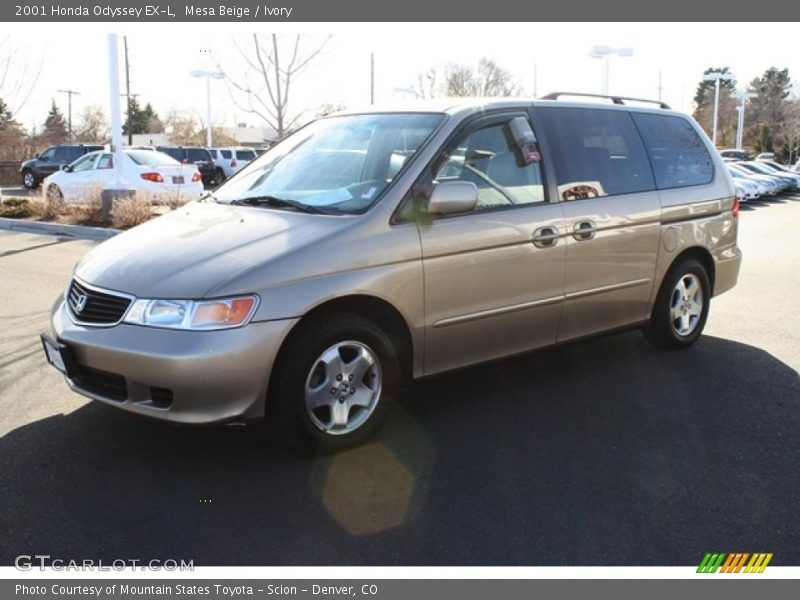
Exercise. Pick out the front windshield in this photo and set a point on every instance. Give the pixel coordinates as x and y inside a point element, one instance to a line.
<point>337,164</point>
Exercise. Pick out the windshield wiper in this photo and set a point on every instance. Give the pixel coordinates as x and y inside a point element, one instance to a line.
<point>274,202</point>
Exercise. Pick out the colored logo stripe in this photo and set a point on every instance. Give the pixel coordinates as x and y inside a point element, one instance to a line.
<point>734,562</point>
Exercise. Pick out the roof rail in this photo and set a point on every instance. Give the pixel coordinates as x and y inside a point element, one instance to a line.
<point>614,99</point>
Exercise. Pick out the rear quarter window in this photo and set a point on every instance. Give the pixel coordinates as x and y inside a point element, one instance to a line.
<point>245,155</point>
<point>678,154</point>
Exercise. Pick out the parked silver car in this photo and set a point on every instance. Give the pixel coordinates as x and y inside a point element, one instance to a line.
<point>370,249</point>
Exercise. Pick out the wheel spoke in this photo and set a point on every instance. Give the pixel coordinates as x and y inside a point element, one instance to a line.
<point>359,366</point>
<point>695,309</point>
<point>362,397</point>
<point>320,396</point>
<point>339,413</point>
<point>332,361</point>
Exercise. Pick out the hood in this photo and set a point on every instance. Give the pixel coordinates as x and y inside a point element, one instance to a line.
<point>189,251</point>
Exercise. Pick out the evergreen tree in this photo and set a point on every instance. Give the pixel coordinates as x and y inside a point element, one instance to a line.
<point>55,127</point>
<point>142,120</point>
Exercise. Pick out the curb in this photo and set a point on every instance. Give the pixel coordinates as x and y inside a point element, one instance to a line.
<point>84,232</point>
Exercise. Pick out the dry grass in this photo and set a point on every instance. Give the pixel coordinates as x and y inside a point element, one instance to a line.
<point>130,212</point>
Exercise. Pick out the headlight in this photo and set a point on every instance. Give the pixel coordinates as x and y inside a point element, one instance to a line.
<point>224,313</point>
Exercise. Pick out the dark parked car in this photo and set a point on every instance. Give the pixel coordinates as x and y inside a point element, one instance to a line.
<point>33,171</point>
<point>736,154</point>
<point>196,156</point>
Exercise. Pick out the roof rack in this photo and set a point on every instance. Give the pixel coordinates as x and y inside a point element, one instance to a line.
<point>614,99</point>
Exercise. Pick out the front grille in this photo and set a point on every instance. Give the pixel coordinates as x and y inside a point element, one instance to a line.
<point>90,306</point>
<point>107,385</point>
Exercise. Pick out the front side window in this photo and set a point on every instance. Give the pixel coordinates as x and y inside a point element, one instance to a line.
<point>489,158</point>
<point>595,152</point>
<point>48,155</point>
<point>679,156</point>
<point>84,163</point>
<point>339,164</point>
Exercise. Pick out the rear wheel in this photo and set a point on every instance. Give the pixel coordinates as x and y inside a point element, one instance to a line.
<point>681,308</point>
<point>333,382</point>
<point>54,194</point>
<point>219,176</point>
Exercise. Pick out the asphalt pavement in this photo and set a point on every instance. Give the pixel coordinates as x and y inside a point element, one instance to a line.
<point>606,452</point>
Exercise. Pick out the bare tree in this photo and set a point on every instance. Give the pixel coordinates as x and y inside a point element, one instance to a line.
<point>92,124</point>
<point>273,65</point>
<point>426,85</point>
<point>485,78</point>
<point>19,74</point>
<point>792,128</point>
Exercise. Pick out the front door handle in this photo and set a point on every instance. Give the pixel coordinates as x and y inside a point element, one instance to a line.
<point>584,230</point>
<point>546,237</point>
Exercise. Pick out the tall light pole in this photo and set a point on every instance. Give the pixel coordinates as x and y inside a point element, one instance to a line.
<point>606,52</point>
<point>70,94</point>
<point>209,75</point>
<point>743,97</point>
<point>716,77</point>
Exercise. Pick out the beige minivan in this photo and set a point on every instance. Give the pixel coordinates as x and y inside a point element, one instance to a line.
<point>372,248</point>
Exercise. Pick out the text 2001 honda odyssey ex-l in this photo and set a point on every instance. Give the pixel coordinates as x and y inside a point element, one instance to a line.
<point>368,249</point>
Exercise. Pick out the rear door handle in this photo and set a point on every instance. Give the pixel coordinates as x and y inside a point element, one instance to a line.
<point>546,237</point>
<point>584,230</point>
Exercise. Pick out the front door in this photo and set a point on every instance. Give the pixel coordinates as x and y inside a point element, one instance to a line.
<point>494,276</point>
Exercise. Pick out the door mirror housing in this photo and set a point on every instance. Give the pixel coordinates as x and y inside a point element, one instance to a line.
<point>37,155</point>
<point>521,132</point>
<point>453,197</point>
<point>66,168</point>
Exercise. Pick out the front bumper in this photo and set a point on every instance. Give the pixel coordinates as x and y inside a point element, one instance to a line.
<point>211,376</point>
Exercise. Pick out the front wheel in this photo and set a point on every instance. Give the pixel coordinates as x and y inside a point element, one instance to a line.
<point>28,179</point>
<point>333,382</point>
<point>681,308</point>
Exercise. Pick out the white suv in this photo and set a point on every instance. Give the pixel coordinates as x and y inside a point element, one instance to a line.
<point>228,161</point>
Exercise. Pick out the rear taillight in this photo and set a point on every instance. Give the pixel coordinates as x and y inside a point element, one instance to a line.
<point>233,164</point>
<point>196,176</point>
<point>154,177</point>
<point>736,206</point>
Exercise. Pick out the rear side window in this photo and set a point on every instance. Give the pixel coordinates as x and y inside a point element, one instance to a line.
<point>197,155</point>
<point>245,155</point>
<point>595,152</point>
<point>225,153</point>
<point>679,156</point>
<point>176,153</point>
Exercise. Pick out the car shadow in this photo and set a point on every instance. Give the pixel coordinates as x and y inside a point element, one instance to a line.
<point>606,452</point>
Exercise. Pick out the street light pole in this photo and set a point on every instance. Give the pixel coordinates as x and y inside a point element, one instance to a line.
<point>209,75</point>
<point>606,52</point>
<point>743,98</point>
<point>716,77</point>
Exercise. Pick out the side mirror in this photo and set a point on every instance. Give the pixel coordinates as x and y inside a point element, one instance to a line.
<point>67,168</point>
<point>453,197</point>
<point>36,155</point>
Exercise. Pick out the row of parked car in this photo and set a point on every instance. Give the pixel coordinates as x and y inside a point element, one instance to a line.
<point>762,177</point>
<point>215,164</point>
<point>70,171</point>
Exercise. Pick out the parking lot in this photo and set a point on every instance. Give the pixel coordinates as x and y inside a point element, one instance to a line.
<point>606,452</point>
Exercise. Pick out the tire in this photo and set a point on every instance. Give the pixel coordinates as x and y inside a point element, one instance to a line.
<point>681,307</point>
<point>306,373</point>
<point>219,177</point>
<point>54,194</point>
<point>29,179</point>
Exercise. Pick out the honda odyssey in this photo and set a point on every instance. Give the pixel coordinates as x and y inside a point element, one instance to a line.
<point>368,249</point>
